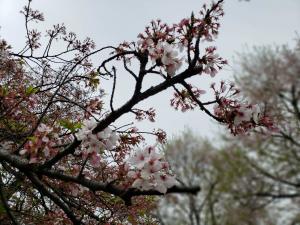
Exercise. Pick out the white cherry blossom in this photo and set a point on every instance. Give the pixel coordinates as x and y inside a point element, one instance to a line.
<point>150,171</point>
<point>164,182</point>
<point>256,113</point>
<point>96,143</point>
<point>139,159</point>
<point>170,60</point>
<point>142,184</point>
<point>43,128</point>
<point>247,113</point>
<point>244,114</point>
<point>169,54</point>
<point>106,133</point>
<point>86,129</point>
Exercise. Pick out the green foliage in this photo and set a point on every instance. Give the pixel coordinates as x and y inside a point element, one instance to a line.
<point>2,209</point>
<point>31,90</point>
<point>94,80</point>
<point>32,138</point>
<point>69,125</point>
<point>3,90</point>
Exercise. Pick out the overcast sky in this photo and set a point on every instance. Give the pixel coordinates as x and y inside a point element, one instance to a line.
<point>258,22</point>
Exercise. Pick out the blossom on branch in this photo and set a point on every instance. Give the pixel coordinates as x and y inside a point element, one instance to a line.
<point>149,171</point>
<point>104,140</point>
<point>169,59</point>
<point>240,116</point>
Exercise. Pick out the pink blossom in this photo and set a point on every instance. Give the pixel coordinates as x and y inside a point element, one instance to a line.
<point>139,159</point>
<point>44,128</point>
<point>164,182</point>
<point>149,171</point>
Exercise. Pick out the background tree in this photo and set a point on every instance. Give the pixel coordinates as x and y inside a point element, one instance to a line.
<point>226,181</point>
<point>272,75</point>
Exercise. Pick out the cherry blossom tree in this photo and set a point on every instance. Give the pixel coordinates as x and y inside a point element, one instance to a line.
<point>64,157</point>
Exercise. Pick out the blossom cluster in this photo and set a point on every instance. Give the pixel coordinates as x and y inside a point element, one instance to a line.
<point>41,145</point>
<point>158,41</point>
<point>212,61</point>
<point>184,101</point>
<point>163,43</point>
<point>143,114</point>
<point>150,171</point>
<point>96,143</point>
<point>188,28</point>
<point>240,116</point>
<point>165,54</point>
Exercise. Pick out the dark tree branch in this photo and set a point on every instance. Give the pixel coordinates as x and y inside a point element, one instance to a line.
<point>52,196</point>
<point>276,196</point>
<point>6,206</point>
<point>200,104</point>
<point>31,170</point>
<point>113,89</point>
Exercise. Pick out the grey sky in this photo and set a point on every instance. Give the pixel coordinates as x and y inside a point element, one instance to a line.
<point>258,22</point>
